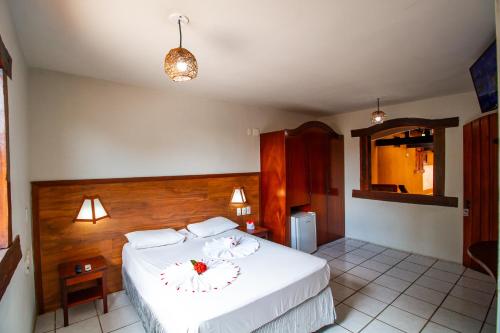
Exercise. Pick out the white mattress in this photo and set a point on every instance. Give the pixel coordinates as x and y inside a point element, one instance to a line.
<point>273,280</point>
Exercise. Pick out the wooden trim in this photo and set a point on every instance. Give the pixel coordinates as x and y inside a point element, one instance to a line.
<point>420,199</point>
<point>5,59</point>
<point>8,264</point>
<point>365,161</point>
<point>406,122</point>
<point>439,162</point>
<point>37,260</point>
<point>69,182</point>
<point>312,124</point>
<point>5,204</point>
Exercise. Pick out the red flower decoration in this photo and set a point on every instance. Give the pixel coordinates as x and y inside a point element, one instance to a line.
<point>199,267</point>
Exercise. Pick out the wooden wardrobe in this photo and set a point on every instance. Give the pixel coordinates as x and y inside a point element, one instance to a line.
<point>302,170</point>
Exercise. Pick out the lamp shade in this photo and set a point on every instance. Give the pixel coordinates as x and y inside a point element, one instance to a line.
<point>91,210</point>
<point>238,196</point>
<point>181,65</point>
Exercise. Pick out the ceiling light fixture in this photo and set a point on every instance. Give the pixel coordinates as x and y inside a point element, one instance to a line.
<point>180,64</point>
<point>378,116</point>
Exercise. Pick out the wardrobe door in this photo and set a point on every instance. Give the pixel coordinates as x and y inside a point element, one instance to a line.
<point>336,191</point>
<point>297,180</point>
<point>318,149</point>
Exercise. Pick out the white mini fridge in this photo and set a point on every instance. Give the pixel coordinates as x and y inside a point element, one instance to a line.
<point>303,232</point>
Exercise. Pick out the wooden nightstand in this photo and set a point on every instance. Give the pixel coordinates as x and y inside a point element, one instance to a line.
<point>78,288</point>
<point>258,231</point>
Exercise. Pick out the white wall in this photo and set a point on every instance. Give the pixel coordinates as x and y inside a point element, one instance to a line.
<point>17,307</point>
<point>86,128</point>
<point>429,230</point>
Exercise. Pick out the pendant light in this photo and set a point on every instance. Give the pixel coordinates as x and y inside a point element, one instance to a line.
<point>180,64</point>
<point>378,116</point>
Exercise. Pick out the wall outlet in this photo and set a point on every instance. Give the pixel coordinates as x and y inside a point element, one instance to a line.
<point>255,132</point>
<point>249,210</point>
<point>238,211</point>
<point>244,211</point>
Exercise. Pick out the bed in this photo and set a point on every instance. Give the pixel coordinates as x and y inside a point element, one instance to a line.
<point>278,290</point>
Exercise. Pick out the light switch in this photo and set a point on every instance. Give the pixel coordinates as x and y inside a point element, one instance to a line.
<point>244,211</point>
<point>249,210</point>
<point>238,211</point>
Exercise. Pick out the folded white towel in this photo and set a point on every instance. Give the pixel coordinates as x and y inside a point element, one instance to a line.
<point>230,247</point>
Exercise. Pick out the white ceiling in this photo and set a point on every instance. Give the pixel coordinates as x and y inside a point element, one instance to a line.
<point>318,55</point>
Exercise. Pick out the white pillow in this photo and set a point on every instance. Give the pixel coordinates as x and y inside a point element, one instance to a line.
<point>212,226</point>
<point>152,238</point>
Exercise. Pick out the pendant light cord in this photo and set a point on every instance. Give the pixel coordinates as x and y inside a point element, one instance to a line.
<point>180,32</point>
<point>378,104</point>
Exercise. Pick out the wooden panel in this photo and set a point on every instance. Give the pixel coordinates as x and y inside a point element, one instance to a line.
<point>273,184</point>
<point>297,171</point>
<point>394,126</point>
<point>8,264</point>
<point>336,193</point>
<point>5,204</point>
<point>133,204</point>
<point>420,199</point>
<point>439,161</point>
<point>365,160</point>
<point>5,59</point>
<point>480,183</point>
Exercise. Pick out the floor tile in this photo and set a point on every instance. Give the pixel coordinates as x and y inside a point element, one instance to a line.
<point>45,322</point>
<point>436,328</point>
<point>478,275</point>
<point>365,304</point>
<point>396,254</point>
<point>134,328</point>
<point>478,285</point>
<point>377,326</point>
<point>332,252</point>
<point>425,294</point>
<point>464,307</point>
<point>341,264</point>
<point>403,274</point>
<point>86,326</point>
<point>376,266</point>
<point>380,293</point>
<point>335,328</point>
<point>456,321</point>
<point>487,328</point>
<point>421,260</point>
<point>415,306</point>
<point>344,247</point>
<point>386,259</point>
<point>364,253</point>
<point>442,275</point>
<point>355,242</point>
<point>351,318</point>
<point>364,273</point>
<point>334,272</point>
<point>352,258</point>
<point>392,282</point>
<point>119,318</point>
<point>492,316</point>
<point>340,292</point>
<point>351,281</point>
<point>434,284</point>
<point>115,301</point>
<point>472,295</point>
<point>76,314</point>
<point>449,266</point>
<point>402,320</point>
<point>322,255</point>
<point>373,247</point>
<point>409,266</point>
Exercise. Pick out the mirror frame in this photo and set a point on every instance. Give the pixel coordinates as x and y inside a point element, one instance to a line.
<point>393,126</point>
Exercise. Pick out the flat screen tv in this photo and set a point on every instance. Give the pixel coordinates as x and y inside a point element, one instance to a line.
<point>484,75</point>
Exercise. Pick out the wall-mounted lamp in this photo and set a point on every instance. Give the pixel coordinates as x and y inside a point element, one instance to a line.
<point>91,210</point>
<point>238,196</point>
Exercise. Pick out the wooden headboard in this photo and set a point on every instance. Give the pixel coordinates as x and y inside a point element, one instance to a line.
<point>133,204</point>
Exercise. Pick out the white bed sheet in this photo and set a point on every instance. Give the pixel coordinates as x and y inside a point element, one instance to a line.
<point>273,280</point>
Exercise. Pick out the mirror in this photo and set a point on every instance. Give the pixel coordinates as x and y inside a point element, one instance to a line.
<point>403,162</point>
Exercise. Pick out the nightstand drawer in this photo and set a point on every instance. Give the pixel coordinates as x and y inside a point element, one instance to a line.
<point>83,278</point>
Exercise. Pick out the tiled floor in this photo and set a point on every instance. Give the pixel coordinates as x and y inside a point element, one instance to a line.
<point>376,290</point>
<point>379,290</point>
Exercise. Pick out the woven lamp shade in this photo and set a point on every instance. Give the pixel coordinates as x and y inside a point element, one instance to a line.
<point>181,65</point>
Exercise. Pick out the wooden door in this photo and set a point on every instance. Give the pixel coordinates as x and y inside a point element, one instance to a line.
<point>297,180</point>
<point>480,146</point>
<point>336,191</point>
<point>318,156</point>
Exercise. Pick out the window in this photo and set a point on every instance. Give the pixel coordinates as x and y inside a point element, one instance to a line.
<point>403,160</point>
<point>5,218</point>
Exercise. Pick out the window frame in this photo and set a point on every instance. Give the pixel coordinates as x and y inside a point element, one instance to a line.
<point>391,126</point>
<point>5,203</point>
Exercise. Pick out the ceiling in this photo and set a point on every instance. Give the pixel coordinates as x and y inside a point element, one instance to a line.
<point>321,56</point>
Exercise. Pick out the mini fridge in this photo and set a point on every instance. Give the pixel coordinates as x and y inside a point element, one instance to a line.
<point>303,231</point>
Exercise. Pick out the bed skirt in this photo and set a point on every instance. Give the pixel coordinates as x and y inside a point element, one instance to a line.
<point>307,317</point>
